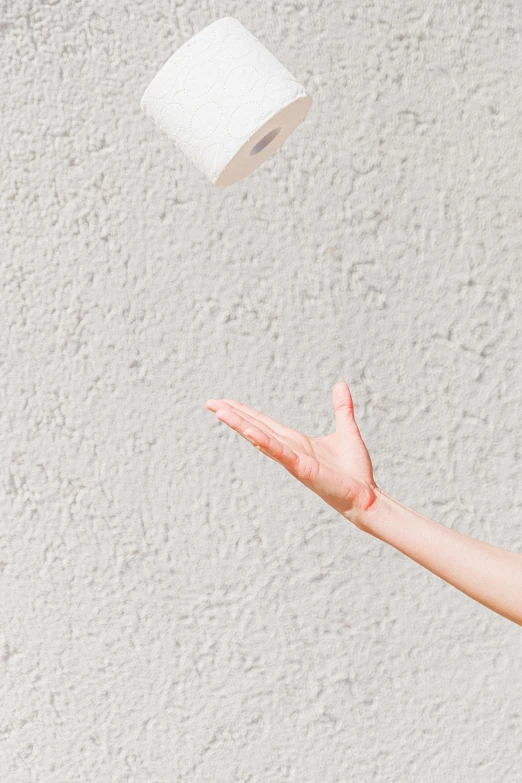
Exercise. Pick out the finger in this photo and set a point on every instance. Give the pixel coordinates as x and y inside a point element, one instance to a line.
<point>253,420</point>
<point>304,468</point>
<point>343,406</point>
<point>272,423</point>
<point>261,440</point>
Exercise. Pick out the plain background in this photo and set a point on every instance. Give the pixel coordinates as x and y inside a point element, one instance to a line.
<point>175,607</point>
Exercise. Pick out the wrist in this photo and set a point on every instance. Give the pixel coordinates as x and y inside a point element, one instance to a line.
<point>374,518</point>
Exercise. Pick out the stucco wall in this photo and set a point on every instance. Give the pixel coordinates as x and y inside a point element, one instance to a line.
<point>175,607</point>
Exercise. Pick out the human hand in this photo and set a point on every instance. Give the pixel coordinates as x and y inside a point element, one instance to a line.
<point>336,467</point>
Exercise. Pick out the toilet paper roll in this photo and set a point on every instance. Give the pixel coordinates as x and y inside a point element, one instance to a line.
<point>226,101</point>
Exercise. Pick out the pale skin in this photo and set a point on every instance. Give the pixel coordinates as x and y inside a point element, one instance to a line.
<point>338,468</point>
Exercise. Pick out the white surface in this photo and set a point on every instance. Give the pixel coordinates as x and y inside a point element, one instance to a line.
<point>174,607</point>
<point>215,94</point>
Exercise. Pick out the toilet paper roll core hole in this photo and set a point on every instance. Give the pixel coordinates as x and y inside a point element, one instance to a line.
<point>265,141</point>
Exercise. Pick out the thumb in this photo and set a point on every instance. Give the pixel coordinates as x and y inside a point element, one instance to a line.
<point>343,406</point>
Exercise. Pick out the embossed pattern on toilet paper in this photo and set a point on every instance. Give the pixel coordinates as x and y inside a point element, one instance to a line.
<point>215,91</point>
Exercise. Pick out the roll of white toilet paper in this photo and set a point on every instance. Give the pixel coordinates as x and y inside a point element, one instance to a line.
<point>226,101</point>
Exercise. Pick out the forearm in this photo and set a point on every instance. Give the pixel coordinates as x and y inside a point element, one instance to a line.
<point>488,574</point>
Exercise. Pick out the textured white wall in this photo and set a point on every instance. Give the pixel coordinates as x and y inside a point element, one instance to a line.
<point>175,607</point>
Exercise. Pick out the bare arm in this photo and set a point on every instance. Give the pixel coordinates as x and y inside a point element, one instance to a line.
<point>338,468</point>
<point>488,574</point>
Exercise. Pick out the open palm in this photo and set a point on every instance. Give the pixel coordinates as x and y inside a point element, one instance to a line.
<point>336,467</point>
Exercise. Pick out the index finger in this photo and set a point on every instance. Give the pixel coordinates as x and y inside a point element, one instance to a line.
<point>264,442</point>
<point>272,423</point>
